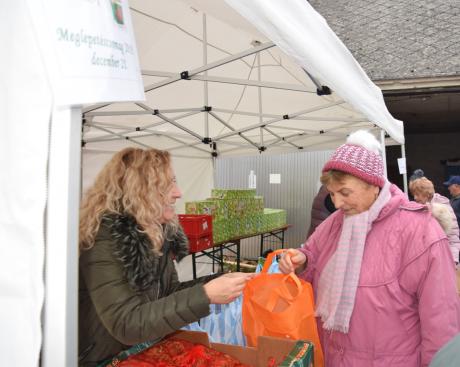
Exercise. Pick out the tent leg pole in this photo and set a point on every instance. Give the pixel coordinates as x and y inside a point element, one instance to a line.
<point>205,91</point>
<point>60,313</point>
<point>259,94</point>
<point>384,152</point>
<point>403,155</point>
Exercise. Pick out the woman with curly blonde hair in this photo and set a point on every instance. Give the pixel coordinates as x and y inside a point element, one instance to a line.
<point>129,234</point>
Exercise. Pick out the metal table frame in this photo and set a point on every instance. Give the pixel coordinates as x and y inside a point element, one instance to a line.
<point>216,253</point>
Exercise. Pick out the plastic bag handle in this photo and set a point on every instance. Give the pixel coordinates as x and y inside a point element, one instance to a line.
<point>281,291</point>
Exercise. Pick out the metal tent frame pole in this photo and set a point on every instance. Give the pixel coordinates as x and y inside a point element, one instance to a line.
<point>384,153</point>
<point>403,155</point>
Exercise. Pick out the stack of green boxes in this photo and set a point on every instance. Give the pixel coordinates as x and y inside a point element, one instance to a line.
<point>237,213</point>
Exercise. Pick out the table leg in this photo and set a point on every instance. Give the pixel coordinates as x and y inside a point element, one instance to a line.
<point>194,265</point>
<point>221,255</point>
<point>261,244</point>
<point>238,255</point>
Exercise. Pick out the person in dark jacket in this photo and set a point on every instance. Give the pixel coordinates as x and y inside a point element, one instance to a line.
<point>321,208</point>
<point>129,290</point>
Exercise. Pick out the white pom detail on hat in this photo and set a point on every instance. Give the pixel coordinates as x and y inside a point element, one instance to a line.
<point>366,140</point>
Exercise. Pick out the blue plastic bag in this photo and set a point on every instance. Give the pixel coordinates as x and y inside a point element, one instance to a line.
<point>223,324</point>
<point>274,267</point>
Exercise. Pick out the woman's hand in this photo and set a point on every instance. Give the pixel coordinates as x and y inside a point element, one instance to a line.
<point>291,261</point>
<point>227,287</point>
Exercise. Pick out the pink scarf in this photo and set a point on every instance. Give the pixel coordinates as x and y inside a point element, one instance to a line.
<point>339,279</point>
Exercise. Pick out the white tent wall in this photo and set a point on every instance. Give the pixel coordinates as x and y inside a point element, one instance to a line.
<point>26,104</point>
<point>300,183</point>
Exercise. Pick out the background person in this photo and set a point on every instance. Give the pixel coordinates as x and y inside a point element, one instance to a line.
<point>380,266</point>
<point>422,189</point>
<point>453,185</point>
<point>129,289</point>
<point>321,208</point>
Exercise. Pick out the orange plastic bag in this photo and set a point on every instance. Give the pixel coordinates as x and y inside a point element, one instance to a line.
<point>280,305</point>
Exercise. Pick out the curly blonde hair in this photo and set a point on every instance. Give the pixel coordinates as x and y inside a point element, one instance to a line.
<point>134,182</point>
<point>422,187</point>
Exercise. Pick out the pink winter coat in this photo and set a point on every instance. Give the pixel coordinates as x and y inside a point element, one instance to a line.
<point>406,304</point>
<point>452,227</point>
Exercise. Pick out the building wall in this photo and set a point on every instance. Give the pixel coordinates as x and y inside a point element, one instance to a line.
<point>300,174</point>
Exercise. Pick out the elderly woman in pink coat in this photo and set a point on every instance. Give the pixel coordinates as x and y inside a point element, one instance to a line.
<point>422,189</point>
<point>380,266</point>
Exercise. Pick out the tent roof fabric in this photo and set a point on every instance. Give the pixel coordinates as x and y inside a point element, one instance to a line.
<point>217,85</point>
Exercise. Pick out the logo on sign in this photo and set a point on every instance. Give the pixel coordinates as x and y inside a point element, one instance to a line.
<point>117,11</point>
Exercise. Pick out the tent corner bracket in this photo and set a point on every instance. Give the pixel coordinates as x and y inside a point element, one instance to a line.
<point>323,91</point>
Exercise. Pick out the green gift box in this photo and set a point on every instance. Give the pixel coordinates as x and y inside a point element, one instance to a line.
<point>207,207</point>
<point>273,218</point>
<point>233,193</point>
<point>300,356</point>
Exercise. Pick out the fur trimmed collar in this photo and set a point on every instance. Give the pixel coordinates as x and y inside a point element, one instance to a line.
<point>142,267</point>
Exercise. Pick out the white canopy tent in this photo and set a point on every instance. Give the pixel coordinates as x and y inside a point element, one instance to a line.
<point>214,84</point>
<point>217,85</point>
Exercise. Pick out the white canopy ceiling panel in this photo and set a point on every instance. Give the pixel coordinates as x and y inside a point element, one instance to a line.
<point>216,85</point>
<point>303,34</point>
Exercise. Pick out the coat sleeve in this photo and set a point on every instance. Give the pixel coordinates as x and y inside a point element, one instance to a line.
<point>431,277</point>
<point>132,317</point>
<point>310,250</point>
<point>453,235</point>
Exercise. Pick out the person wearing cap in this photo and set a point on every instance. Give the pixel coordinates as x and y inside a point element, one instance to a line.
<point>453,185</point>
<point>422,189</point>
<point>380,266</point>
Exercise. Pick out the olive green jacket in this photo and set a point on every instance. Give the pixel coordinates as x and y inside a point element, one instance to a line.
<point>128,295</point>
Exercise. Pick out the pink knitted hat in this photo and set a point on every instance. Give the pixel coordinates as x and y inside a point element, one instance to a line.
<point>360,157</point>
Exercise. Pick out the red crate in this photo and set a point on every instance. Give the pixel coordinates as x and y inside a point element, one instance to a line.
<point>196,225</point>
<point>197,244</point>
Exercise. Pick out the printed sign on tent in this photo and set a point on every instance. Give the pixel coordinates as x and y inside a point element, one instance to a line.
<point>89,50</point>
<point>402,166</point>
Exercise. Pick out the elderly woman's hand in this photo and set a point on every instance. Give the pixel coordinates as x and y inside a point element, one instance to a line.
<point>227,287</point>
<point>291,261</point>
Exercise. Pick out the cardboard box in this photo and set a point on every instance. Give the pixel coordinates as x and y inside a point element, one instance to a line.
<point>268,347</point>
